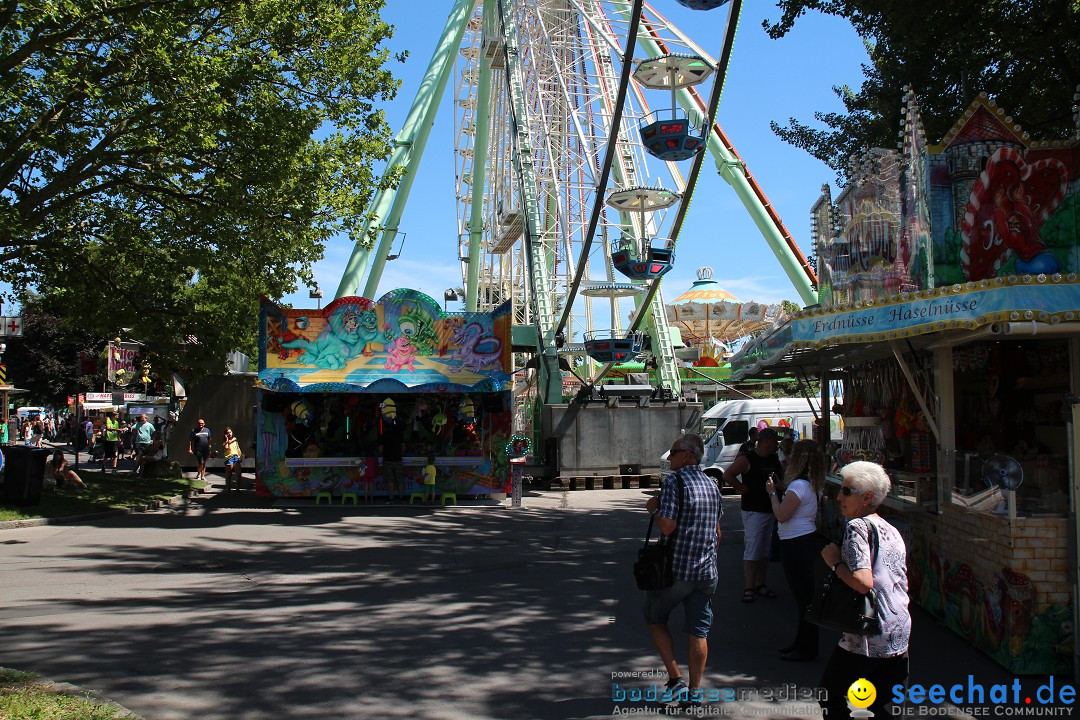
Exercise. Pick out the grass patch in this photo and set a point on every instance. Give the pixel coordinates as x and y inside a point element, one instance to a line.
<point>103,492</point>
<point>23,697</point>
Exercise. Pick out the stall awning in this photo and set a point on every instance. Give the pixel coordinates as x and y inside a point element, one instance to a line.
<point>1003,307</point>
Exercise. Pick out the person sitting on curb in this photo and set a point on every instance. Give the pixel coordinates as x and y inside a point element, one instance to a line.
<point>58,468</point>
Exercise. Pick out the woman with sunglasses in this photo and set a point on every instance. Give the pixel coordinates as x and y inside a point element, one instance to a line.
<point>796,512</point>
<point>864,564</point>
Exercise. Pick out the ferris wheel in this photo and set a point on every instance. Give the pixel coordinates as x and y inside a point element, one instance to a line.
<point>580,127</point>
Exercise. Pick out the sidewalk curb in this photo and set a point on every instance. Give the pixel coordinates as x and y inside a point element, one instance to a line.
<point>104,514</point>
<point>75,691</point>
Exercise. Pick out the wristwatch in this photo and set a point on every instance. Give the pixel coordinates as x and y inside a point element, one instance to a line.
<point>837,564</point>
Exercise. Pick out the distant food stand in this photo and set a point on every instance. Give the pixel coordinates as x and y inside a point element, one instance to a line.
<point>332,380</point>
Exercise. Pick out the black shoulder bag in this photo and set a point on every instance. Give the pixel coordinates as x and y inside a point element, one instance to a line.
<point>654,569</point>
<point>837,606</point>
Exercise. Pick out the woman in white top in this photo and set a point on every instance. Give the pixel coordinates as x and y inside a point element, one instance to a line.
<point>799,542</point>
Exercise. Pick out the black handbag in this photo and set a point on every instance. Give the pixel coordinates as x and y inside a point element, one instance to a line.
<point>837,606</point>
<point>654,569</point>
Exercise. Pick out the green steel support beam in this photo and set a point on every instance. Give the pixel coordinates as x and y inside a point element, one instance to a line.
<point>479,168</point>
<point>388,205</point>
<point>550,378</point>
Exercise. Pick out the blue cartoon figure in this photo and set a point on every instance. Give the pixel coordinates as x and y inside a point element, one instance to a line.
<point>339,341</point>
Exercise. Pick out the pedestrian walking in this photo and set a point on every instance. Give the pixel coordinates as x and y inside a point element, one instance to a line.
<point>863,564</point>
<point>688,509</point>
<point>199,446</point>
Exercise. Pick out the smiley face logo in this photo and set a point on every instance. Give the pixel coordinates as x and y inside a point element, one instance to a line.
<point>862,693</point>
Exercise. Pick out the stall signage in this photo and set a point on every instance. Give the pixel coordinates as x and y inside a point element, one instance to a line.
<point>953,309</point>
<point>108,397</point>
<point>1019,300</point>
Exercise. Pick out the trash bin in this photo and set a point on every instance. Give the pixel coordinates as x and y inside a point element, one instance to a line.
<point>24,472</point>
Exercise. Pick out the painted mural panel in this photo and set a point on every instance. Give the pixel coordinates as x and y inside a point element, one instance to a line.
<point>986,202</point>
<point>353,343</point>
<point>1003,204</point>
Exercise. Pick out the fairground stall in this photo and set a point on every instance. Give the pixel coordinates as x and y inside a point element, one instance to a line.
<point>950,309</point>
<point>335,383</point>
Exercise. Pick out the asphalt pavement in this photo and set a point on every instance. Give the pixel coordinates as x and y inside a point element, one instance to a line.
<point>230,607</point>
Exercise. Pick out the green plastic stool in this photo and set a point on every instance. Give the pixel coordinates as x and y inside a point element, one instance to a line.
<point>350,496</point>
<point>413,497</point>
<point>447,496</point>
<point>320,496</point>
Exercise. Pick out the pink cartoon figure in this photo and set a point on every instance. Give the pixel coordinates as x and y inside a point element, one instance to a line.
<point>402,353</point>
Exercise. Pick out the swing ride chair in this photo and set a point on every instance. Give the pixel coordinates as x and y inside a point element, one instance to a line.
<point>640,259</point>
<point>669,134</point>
<point>608,346</point>
<point>656,261</point>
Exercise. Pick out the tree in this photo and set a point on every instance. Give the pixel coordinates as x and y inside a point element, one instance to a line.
<point>163,163</point>
<point>1025,55</point>
<point>44,360</point>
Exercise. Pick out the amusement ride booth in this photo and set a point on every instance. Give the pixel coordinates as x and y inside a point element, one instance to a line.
<point>341,386</point>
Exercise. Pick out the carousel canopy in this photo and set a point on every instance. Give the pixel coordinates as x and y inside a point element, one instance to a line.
<point>708,316</point>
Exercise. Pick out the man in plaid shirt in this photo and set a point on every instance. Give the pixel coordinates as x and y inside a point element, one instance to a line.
<point>696,535</point>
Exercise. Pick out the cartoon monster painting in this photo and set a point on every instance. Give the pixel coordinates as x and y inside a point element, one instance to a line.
<point>401,354</point>
<point>475,351</point>
<point>1007,208</point>
<point>339,341</point>
<point>369,331</point>
<point>417,327</point>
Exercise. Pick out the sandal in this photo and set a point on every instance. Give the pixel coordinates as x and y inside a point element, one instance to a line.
<point>748,595</point>
<point>765,591</point>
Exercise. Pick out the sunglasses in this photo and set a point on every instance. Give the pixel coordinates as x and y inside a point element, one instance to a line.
<point>848,490</point>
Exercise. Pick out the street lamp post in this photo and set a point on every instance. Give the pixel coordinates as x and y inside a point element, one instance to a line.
<point>448,295</point>
<point>316,294</point>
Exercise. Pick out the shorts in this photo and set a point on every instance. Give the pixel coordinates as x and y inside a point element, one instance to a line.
<point>232,460</point>
<point>110,449</point>
<point>696,598</point>
<point>143,448</point>
<point>391,472</point>
<point>757,534</point>
<point>201,455</point>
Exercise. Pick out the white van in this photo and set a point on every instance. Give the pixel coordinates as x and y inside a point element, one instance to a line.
<point>30,413</point>
<point>726,425</point>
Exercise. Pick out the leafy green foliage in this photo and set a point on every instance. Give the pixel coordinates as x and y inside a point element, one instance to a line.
<point>163,164</point>
<point>44,360</point>
<point>1025,55</point>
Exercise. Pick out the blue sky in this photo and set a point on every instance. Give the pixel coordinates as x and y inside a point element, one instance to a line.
<point>767,80</point>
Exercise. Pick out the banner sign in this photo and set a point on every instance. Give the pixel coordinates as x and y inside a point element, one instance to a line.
<point>108,397</point>
<point>969,306</point>
<point>122,363</point>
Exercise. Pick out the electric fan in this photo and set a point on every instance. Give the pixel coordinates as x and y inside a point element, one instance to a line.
<point>1004,471</point>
